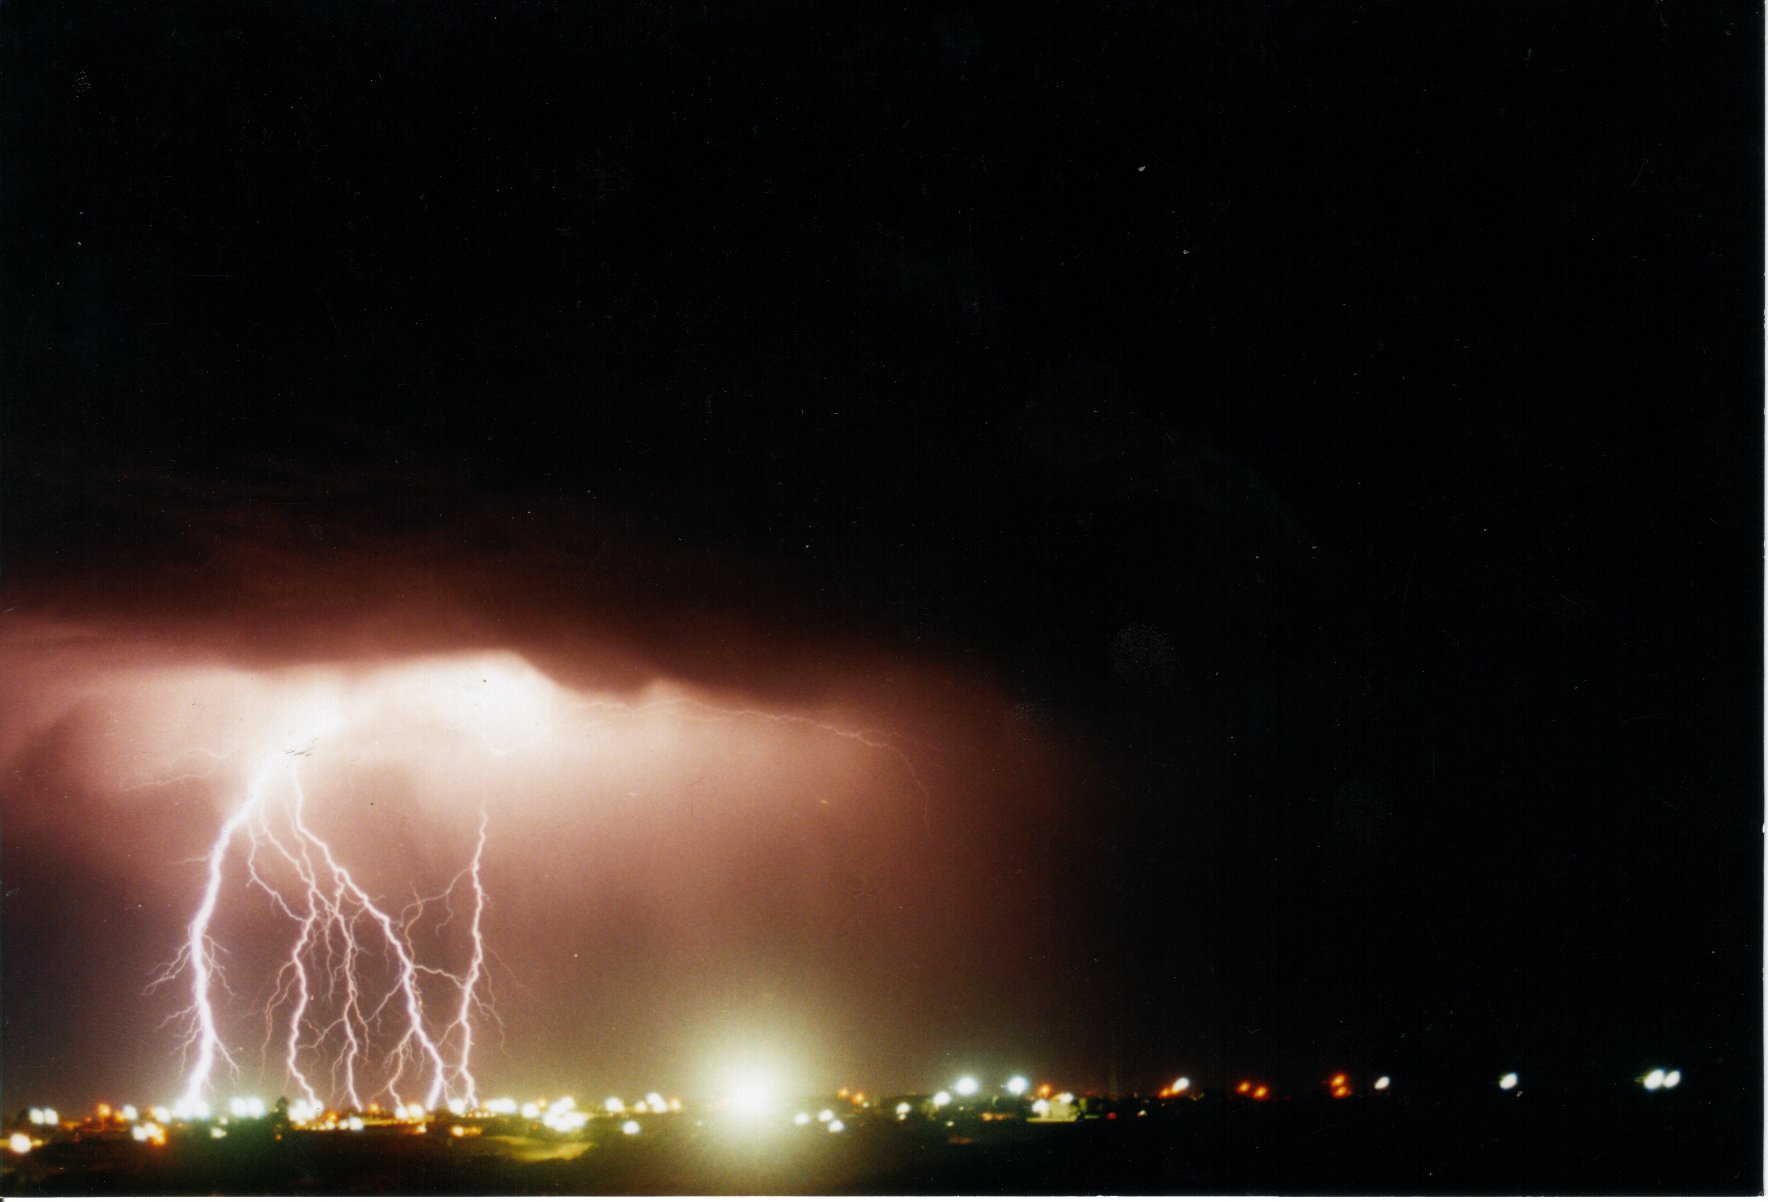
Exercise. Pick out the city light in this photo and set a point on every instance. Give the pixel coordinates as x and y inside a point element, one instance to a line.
<point>750,1098</point>
<point>613,1105</point>
<point>801,1119</point>
<point>1017,1085</point>
<point>19,1142</point>
<point>837,1127</point>
<point>825,1116</point>
<point>1659,1078</point>
<point>629,1127</point>
<point>1508,1082</point>
<point>942,1098</point>
<point>965,1086</point>
<point>1381,1084</point>
<point>1181,1085</point>
<point>902,1108</point>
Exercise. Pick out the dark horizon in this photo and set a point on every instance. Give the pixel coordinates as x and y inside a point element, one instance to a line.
<point>1293,480</point>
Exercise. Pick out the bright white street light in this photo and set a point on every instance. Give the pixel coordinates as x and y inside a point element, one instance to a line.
<point>1673,1078</point>
<point>1507,1082</point>
<point>966,1086</point>
<point>1381,1083</point>
<point>1017,1085</point>
<point>1654,1080</point>
<point>942,1098</point>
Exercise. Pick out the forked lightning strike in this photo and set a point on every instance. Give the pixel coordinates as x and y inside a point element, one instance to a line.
<point>336,1011</point>
<point>355,1012</point>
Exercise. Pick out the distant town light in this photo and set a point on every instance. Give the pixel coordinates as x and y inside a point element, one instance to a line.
<point>825,1116</point>
<point>530,1110</point>
<point>1262,1092</point>
<point>1017,1085</point>
<point>129,1114</point>
<point>629,1127</point>
<point>657,1104</point>
<point>19,1142</point>
<point>1041,1107</point>
<point>1654,1080</point>
<point>942,1098</point>
<point>750,1098</point>
<point>801,1119</point>
<point>903,1108</point>
<point>1181,1085</point>
<point>1381,1083</point>
<point>1508,1082</point>
<point>1673,1078</point>
<point>965,1086</point>
<point>36,1116</point>
<point>837,1127</point>
<point>613,1105</point>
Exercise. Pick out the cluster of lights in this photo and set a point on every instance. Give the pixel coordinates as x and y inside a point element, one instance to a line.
<point>149,1133</point>
<point>1658,1079</point>
<point>1176,1088</point>
<point>827,1117</point>
<point>246,1108</point>
<point>43,1116</point>
<point>1340,1085</point>
<point>1257,1091</point>
<point>564,1117</point>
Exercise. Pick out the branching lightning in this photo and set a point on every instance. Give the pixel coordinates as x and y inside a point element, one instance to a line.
<point>361,1008</point>
<point>335,1001</point>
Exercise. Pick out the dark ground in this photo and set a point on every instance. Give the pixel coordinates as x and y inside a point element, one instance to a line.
<point>1633,1144</point>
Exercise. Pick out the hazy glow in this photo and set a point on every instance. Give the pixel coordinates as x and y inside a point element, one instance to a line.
<point>287,808</point>
<point>965,1087</point>
<point>629,1127</point>
<point>1381,1083</point>
<point>1017,1085</point>
<point>1508,1081</point>
<point>1673,1078</point>
<point>903,1108</point>
<point>1654,1080</point>
<point>612,1105</point>
<point>1181,1085</point>
<point>801,1119</point>
<point>837,1127</point>
<point>942,1098</point>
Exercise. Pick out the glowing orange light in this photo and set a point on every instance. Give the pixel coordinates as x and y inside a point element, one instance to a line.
<point>1341,1091</point>
<point>1043,1091</point>
<point>841,1093</point>
<point>104,1110</point>
<point>1261,1093</point>
<point>1338,1080</point>
<point>1243,1087</point>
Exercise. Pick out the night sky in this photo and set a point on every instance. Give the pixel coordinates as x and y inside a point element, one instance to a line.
<point>1288,478</point>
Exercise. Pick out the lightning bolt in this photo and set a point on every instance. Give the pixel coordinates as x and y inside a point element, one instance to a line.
<point>337,921</point>
<point>354,1007</point>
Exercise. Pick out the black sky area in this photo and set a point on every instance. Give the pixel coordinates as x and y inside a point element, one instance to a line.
<point>1338,426</point>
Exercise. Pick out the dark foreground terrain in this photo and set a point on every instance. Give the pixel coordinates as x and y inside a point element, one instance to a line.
<point>1500,1144</point>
